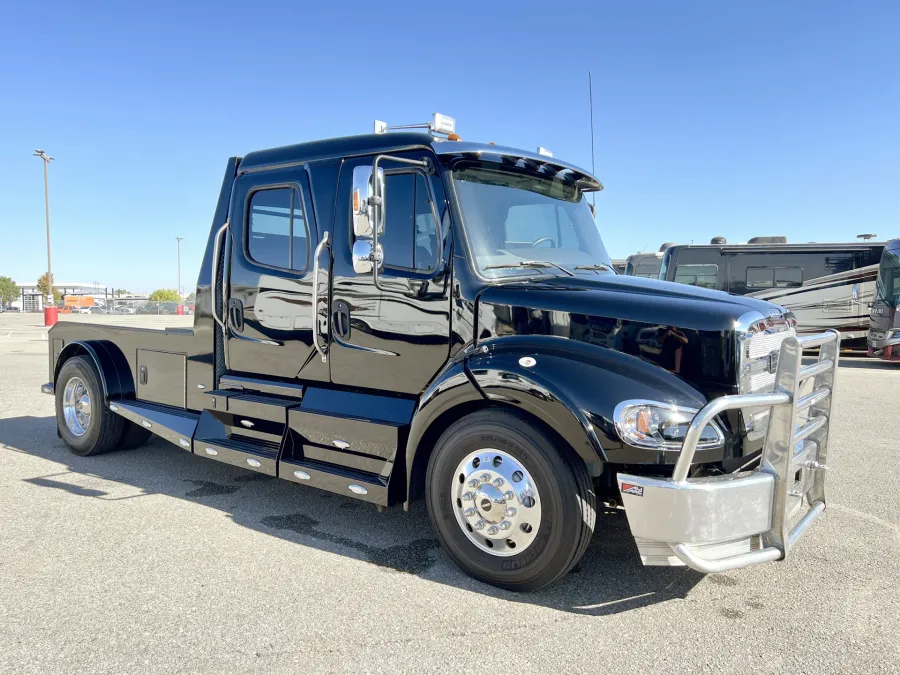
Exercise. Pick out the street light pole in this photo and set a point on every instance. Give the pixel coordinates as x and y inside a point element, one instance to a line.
<point>49,317</point>
<point>178,239</point>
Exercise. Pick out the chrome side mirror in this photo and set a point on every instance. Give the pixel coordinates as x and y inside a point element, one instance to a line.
<point>363,259</point>
<point>363,212</point>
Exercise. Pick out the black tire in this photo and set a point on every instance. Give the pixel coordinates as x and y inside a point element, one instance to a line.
<point>565,488</point>
<point>133,436</point>
<point>104,428</point>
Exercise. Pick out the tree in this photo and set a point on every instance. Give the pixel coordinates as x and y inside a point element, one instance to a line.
<point>192,296</point>
<point>121,291</point>
<point>164,295</point>
<point>43,287</point>
<point>9,292</point>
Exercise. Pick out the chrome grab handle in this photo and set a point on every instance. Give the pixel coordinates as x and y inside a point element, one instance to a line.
<point>215,272</point>
<point>315,298</point>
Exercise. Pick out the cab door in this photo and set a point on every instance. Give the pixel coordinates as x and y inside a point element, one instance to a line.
<point>268,315</point>
<point>394,337</point>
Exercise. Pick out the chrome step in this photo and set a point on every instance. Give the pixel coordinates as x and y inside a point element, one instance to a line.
<point>256,456</point>
<point>175,425</point>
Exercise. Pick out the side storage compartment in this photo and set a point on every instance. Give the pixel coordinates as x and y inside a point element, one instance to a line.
<point>161,377</point>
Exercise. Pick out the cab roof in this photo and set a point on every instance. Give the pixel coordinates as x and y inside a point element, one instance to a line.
<point>396,141</point>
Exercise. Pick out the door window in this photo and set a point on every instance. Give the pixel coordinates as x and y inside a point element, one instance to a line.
<point>276,232</point>
<point>410,229</point>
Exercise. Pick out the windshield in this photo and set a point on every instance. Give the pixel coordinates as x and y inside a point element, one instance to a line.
<point>520,223</point>
<point>887,287</point>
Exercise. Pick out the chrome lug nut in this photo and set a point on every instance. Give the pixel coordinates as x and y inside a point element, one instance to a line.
<point>485,477</point>
<point>468,497</point>
<point>509,496</point>
<point>492,530</point>
<point>510,512</point>
<point>473,483</point>
<point>505,525</point>
<point>468,513</point>
<point>498,482</point>
<point>479,525</point>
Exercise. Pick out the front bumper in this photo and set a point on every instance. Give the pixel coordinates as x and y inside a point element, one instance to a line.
<point>721,523</point>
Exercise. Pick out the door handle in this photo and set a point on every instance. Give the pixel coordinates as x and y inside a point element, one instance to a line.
<point>236,314</point>
<point>341,319</point>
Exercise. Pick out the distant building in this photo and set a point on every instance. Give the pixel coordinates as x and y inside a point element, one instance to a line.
<point>31,300</point>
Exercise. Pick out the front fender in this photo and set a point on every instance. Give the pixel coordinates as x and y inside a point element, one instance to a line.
<point>447,397</point>
<point>574,387</point>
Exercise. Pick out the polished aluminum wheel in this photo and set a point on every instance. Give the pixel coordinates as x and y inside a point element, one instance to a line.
<point>496,502</point>
<point>77,406</point>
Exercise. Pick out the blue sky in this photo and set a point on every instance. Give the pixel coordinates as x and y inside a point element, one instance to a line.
<point>712,118</point>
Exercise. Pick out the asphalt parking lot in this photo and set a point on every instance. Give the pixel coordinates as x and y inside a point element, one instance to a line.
<point>156,561</point>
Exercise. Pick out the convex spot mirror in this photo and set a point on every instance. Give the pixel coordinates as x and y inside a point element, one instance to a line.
<point>363,259</point>
<point>363,212</point>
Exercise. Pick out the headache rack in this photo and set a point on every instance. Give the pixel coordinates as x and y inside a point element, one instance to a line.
<point>721,523</point>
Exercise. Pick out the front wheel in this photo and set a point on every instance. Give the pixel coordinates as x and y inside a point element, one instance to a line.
<point>510,507</point>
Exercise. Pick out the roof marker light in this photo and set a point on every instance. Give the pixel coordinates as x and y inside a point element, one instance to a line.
<point>544,151</point>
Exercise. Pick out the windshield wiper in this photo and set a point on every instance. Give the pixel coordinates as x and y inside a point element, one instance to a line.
<point>594,268</point>
<point>534,264</point>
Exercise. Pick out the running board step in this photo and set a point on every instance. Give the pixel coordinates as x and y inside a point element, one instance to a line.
<point>261,456</point>
<point>365,486</point>
<point>176,426</point>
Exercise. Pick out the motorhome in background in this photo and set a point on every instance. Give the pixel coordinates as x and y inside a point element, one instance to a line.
<point>645,264</point>
<point>825,285</point>
<point>884,320</point>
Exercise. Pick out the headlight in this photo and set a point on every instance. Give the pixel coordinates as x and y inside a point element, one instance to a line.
<point>651,424</point>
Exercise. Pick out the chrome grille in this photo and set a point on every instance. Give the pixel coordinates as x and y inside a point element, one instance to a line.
<point>759,350</point>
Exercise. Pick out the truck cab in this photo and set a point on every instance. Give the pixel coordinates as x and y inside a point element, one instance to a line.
<point>403,315</point>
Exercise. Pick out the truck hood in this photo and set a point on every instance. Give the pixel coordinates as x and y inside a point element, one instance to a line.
<point>634,299</point>
<point>686,330</point>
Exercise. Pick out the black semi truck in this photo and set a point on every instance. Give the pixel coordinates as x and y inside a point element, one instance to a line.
<point>403,315</point>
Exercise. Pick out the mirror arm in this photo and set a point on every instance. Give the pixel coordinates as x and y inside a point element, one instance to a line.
<point>376,202</point>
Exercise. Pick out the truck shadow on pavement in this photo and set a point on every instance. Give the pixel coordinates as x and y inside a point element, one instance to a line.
<point>609,579</point>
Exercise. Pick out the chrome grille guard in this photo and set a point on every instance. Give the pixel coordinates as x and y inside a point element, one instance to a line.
<point>721,523</point>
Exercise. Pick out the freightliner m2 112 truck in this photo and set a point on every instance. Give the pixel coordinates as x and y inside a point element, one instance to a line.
<point>403,315</point>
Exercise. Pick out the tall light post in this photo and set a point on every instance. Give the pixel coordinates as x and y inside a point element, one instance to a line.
<point>180,296</point>
<point>50,314</point>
